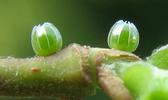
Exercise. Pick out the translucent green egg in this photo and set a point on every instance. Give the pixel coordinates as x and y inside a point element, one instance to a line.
<point>123,36</point>
<point>46,39</point>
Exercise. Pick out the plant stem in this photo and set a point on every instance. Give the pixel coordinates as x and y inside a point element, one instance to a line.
<point>55,75</point>
<point>104,76</point>
<point>70,73</point>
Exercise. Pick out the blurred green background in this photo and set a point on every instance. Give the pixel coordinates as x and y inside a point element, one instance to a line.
<point>81,21</point>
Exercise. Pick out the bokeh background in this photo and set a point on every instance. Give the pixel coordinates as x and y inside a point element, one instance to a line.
<point>81,21</point>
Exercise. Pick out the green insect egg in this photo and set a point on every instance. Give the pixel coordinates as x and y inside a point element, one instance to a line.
<point>46,39</point>
<point>123,36</point>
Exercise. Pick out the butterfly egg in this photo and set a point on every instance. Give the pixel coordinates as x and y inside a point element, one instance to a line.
<point>46,39</point>
<point>123,36</point>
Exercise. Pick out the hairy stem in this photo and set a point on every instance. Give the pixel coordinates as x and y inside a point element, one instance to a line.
<point>103,72</point>
<point>73,72</point>
<point>56,75</point>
